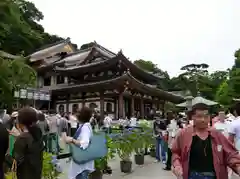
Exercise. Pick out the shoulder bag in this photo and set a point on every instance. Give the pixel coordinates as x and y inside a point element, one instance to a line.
<point>97,148</point>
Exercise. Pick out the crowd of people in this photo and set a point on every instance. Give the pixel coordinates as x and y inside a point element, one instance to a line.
<point>194,146</point>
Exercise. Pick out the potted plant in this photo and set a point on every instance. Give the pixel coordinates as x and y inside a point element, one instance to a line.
<point>138,145</point>
<point>153,150</point>
<point>124,150</point>
<point>101,165</point>
<point>51,166</point>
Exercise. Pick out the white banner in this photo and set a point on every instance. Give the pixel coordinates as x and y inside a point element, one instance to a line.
<point>23,93</point>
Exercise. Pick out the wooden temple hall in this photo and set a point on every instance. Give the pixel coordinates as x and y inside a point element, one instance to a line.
<point>96,77</point>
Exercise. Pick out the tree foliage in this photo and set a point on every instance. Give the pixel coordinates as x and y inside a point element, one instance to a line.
<point>20,31</point>
<point>21,34</point>
<point>221,86</point>
<point>14,74</point>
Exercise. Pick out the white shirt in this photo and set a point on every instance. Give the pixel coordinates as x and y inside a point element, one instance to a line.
<point>235,129</point>
<point>172,130</point>
<point>222,127</point>
<point>73,121</point>
<point>133,122</point>
<point>230,118</point>
<point>107,122</point>
<point>75,169</point>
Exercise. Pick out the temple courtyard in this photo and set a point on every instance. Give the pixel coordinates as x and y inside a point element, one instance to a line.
<point>150,169</point>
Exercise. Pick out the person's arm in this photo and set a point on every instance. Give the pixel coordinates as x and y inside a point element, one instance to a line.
<point>4,140</point>
<point>84,138</point>
<point>232,132</point>
<point>232,154</point>
<point>176,151</point>
<point>19,149</point>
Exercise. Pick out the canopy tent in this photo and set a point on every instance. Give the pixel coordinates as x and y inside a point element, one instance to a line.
<point>197,100</point>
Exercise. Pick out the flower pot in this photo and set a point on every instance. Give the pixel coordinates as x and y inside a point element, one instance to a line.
<point>139,159</point>
<point>153,153</point>
<point>126,166</point>
<point>97,174</point>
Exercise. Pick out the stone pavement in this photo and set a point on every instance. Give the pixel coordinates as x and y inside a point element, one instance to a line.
<point>149,170</point>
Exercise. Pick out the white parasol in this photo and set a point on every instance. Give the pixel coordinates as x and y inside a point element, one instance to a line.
<point>197,100</point>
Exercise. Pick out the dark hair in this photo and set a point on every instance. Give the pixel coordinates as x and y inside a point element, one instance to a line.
<point>237,108</point>
<point>170,115</point>
<point>84,115</point>
<point>231,109</point>
<point>199,106</point>
<point>28,117</point>
<point>41,117</point>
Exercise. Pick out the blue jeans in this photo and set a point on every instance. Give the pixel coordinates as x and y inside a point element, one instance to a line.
<point>83,175</point>
<point>160,152</point>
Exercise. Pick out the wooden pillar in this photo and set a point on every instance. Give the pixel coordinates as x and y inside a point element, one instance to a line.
<point>120,106</point>
<point>102,106</point>
<point>67,103</point>
<point>154,104</point>
<point>132,107</point>
<point>83,99</point>
<point>142,108</point>
<point>115,109</point>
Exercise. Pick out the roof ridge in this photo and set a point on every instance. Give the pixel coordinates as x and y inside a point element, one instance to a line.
<point>67,40</point>
<point>103,48</point>
<point>77,52</point>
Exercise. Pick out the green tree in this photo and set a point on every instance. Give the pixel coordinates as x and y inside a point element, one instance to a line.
<point>146,65</point>
<point>150,67</point>
<point>192,76</point>
<point>14,74</point>
<point>20,31</point>
<point>224,94</point>
<point>234,76</point>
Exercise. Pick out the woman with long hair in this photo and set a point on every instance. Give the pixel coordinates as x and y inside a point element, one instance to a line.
<point>28,148</point>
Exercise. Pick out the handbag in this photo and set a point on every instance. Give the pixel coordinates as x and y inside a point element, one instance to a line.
<point>97,148</point>
<point>9,155</point>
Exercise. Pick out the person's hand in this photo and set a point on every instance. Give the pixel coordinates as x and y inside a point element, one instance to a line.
<point>14,133</point>
<point>178,171</point>
<point>238,171</point>
<point>68,139</point>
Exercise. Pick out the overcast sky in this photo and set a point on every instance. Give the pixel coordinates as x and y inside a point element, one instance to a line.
<point>171,33</point>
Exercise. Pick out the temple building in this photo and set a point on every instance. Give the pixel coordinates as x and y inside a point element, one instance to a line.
<point>98,78</point>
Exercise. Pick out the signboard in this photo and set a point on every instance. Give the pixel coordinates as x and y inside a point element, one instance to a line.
<point>23,93</point>
<point>36,95</point>
<point>16,94</point>
<point>31,93</point>
<point>47,97</point>
<point>41,96</point>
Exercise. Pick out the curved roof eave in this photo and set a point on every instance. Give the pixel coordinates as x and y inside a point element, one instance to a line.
<point>137,69</point>
<point>156,91</point>
<point>74,69</point>
<point>125,77</point>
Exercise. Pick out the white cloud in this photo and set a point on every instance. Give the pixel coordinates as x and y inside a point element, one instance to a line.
<point>171,33</point>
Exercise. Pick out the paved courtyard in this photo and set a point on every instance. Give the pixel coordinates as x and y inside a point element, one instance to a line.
<point>150,170</point>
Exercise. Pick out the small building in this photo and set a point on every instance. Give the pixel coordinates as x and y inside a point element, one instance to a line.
<point>98,78</point>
